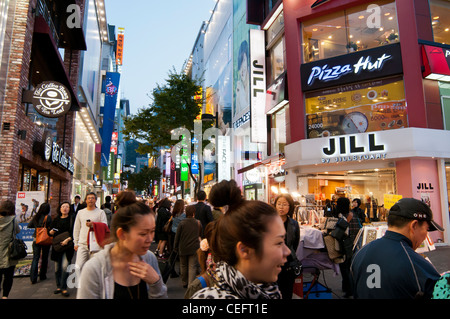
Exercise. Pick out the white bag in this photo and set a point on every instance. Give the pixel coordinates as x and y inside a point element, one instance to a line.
<point>93,245</point>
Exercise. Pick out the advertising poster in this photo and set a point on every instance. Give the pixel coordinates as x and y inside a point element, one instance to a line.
<point>357,108</point>
<point>27,205</point>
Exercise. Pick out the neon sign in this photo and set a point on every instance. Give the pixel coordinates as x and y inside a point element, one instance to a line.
<point>364,63</point>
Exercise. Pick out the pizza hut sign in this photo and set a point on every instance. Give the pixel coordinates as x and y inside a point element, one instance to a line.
<point>51,99</point>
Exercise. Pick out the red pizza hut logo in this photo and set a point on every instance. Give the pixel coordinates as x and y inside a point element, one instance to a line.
<point>20,195</point>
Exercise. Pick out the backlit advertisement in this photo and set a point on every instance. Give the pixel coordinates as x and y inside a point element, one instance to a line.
<point>357,108</point>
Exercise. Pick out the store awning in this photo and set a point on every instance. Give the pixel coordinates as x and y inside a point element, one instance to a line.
<point>47,60</point>
<point>436,61</point>
<point>278,159</point>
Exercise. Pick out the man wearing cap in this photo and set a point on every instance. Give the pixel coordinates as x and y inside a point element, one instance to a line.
<point>389,267</point>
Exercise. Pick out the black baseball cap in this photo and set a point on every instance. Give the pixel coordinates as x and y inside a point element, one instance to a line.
<point>412,208</point>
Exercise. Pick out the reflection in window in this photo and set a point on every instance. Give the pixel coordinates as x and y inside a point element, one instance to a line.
<point>359,28</point>
<point>277,59</point>
<point>440,20</point>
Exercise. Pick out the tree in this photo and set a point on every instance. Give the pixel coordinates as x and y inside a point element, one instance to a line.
<point>173,107</point>
<point>144,180</point>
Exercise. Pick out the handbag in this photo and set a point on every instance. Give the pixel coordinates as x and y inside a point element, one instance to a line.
<point>17,247</point>
<point>57,240</point>
<point>42,236</point>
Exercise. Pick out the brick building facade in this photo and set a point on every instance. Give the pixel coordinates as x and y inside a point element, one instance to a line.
<point>35,41</point>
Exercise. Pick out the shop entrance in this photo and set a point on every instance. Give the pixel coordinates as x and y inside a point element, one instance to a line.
<point>370,186</point>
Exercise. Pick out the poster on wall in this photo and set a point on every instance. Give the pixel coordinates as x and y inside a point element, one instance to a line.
<point>357,108</point>
<point>27,205</point>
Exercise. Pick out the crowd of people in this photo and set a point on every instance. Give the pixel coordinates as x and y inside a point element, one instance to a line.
<point>227,247</point>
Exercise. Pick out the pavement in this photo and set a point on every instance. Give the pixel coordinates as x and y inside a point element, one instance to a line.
<point>23,289</point>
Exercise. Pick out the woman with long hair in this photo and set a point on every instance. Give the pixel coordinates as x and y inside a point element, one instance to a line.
<point>248,246</point>
<point>41,217</point>
<point>125,268</point>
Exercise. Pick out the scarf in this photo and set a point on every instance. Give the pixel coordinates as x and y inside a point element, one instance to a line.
<point>233,281</point>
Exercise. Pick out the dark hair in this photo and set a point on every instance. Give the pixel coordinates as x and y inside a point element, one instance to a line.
<point>201,195</point>
<point>343,206</point>
<point>43,210</point>
<point>166,203</point>
<point>125,215</point>
<point>58,210</point>
<point>190,211</point>
<point>290,200</point>
<point>245,221</point>
<point>358,201</point>
<point>77,196</point>
<point>108,199</point>
<point>7,208</point>
<point>91,193</point>
<point>178,208</point>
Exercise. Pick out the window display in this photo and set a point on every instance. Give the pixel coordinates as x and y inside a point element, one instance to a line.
<point>359,28</point>
<point>440,20</point>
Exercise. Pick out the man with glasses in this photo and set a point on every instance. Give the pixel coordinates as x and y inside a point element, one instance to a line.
<point>389,267</point>
<point>83,224</point>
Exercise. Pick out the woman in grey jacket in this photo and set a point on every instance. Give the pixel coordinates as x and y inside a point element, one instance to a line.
<point>125,269</point>
<point>8,227</point>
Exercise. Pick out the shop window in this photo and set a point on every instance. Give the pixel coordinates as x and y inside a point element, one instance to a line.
<point>359,28</point>
<point>278,131</point>
<point>444,89</point>
<point>368,185</point>
<point>440,20</point>
<point>357,108</point>
<point>277,60</point>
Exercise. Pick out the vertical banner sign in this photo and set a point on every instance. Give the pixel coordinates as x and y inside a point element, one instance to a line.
<point>258,125</point>
<point>111,88</point>
<point>184,161</point>
<point>168,163</point>
<point>114,142</point>
<point>119,50</point>
<point>223,158</point>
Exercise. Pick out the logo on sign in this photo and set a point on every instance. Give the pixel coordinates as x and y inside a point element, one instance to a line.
<point>326,73</point>
<point>111,89</point>
<point>51,99</point>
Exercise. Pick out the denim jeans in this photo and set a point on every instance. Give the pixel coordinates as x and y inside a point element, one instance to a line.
<point>37,250</point>
<point>61,273</point>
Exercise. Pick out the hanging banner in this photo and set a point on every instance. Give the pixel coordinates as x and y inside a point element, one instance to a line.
<point>111,88</point>
<point>258,123</point>
<point>223,158</point>
<point>119,49</point>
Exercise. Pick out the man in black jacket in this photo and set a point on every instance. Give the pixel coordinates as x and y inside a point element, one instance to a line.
<point>203,211</point>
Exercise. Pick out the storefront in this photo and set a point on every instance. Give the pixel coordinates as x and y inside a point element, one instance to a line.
<point>373,125</point>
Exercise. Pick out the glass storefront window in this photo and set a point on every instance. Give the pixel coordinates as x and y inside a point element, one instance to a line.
<point>373,184</point>
<point>278,131</point>
<point>440,20</point>
<point>355,29</point>
<point>357,108</point>
<point>277,60</point>
<point>444,90</point>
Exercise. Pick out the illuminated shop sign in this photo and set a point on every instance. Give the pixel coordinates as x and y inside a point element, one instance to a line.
<point>436,61</point>
<point>54,153</point>
<point>354,67</point>
<point>51,99</point>
<point>353,148</point>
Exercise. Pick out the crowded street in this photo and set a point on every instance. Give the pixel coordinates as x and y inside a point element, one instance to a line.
<point>272,156</point>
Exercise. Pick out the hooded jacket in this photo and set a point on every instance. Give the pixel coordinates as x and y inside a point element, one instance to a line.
<point>97,281</point>
<point>6,235</point>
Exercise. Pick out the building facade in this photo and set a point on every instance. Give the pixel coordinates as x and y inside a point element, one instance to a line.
<point>43,45</point>
<point>367,104</point>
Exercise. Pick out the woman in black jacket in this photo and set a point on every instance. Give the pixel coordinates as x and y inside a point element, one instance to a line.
<point>162,218</point>
<point>38,221</point>
<point>62,224</point>
<point>284,205</point>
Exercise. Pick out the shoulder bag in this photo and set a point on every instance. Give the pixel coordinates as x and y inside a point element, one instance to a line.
<point>42,236</point>
<point>57,240</point>
<point>168,226</point>
<point>17,247</point>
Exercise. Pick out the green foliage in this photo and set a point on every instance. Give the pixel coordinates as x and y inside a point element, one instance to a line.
<point>173,106</point>
<point>143,180</point>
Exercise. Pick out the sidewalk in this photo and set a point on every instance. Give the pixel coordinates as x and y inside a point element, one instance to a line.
<point>23,289</point>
